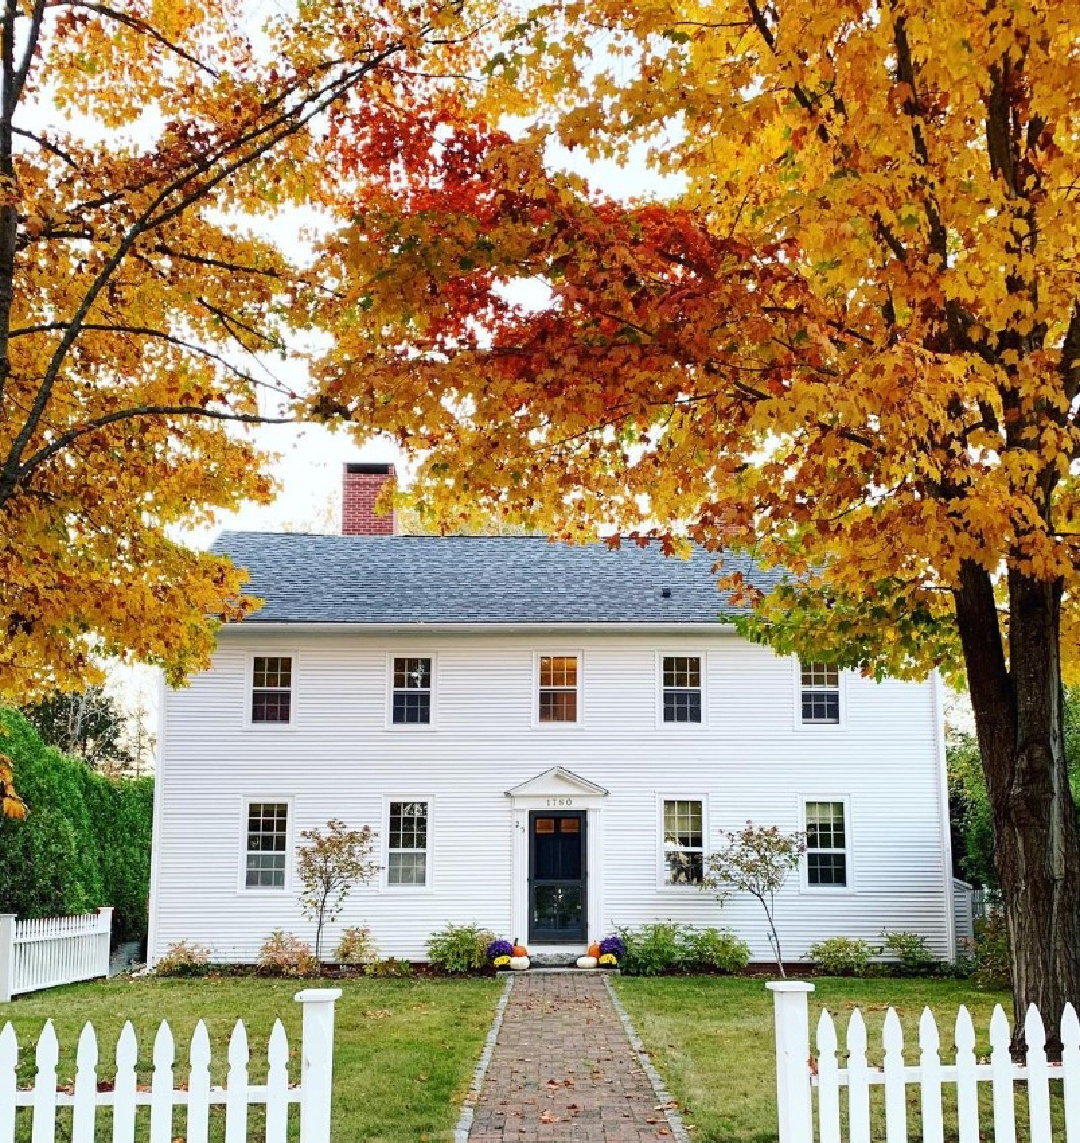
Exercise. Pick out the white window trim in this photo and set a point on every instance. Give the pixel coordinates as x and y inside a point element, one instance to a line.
<point>848,850</point>
<point>249,690</point>
<point>818,727</point>
<point>289,887</point>
<point>682,727</point>
<point>384,874</point>
<point>662,882</point>
<point>565,653</point>
<point>411,727</point>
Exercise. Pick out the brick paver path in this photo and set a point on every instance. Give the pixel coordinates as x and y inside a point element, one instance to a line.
<point>563,1070</point>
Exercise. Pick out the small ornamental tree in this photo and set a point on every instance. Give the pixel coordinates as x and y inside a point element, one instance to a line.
<point>755,860</point>
<point>332,861</point>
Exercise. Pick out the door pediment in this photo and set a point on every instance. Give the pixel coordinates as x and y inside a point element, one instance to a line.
<point>557,783</point>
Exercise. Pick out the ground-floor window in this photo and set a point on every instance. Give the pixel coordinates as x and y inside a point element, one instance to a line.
<point>266,848</point>
<point>826,844</point>
<point>408,844</point>
<point>684,841</point>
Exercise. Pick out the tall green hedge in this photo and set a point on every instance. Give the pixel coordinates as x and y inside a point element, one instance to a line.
<point>85,840</point>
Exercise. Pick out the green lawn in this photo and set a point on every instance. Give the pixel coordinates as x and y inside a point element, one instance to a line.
<point>404,1049</point>
<point>712,1039</point>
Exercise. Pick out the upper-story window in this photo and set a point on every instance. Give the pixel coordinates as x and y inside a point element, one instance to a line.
<point>826,844</point>
<point>558,688</point>
<point>820,693</point>
<point>266,848</point>
<point>684,841</point>
<point>412,691</point>
<point>682,688</point>
<point>271,689</point>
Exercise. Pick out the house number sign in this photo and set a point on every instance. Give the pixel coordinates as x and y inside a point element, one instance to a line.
<point>563,803</point>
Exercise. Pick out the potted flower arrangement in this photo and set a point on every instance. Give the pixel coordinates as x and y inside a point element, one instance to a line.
<point>612,950</point>
<point>499,953</point>
<point>506,954</point>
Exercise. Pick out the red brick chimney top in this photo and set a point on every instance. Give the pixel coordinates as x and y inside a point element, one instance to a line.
<point>361,485</point>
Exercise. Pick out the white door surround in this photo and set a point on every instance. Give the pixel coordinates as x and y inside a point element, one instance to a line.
<point>557,789</point>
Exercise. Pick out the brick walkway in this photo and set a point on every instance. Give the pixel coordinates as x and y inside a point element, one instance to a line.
<point>563,1070</point>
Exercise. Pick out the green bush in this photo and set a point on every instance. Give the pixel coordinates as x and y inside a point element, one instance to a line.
<point>85,840</point>
<point>459,948</point>
<point>842,956</point>
<point>717,949</point>
<point>912,956</point>
<point>991,953</point>
<point>653,949</point>
<point>391,967</point>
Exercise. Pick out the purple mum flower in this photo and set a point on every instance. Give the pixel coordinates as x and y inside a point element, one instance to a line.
<point>499,948</point>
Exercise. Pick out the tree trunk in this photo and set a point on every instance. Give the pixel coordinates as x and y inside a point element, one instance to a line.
<point>1019,719</point>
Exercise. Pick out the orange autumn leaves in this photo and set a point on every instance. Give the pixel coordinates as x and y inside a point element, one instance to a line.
<point>848,341</point>
<point>145,295</point>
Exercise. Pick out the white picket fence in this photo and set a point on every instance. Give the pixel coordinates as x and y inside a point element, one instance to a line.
<point>800,1071</point>
<point>37,954</point>
<point>47,1102</point>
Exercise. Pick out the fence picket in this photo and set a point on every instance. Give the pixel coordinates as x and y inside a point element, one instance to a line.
<point>85,1098</point>
<point>9,1059</point>
<point>1070,1058</point>
<point>161,1086</point>
<point>127,1054</point>
<point>1038,1077</point>
<point>236,1086</point>
<point>277,1085</point>
<point>895,1096</point>
<point>858,1080</point>
<point>1002,1068</point>
<point>198,1108</point>
<point>48,1053</point>
<point>967,1095</point>
<point>930,1078</point>
<point>828,1081</point>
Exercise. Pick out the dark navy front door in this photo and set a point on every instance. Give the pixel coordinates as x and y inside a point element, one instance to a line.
<point>556,878</point>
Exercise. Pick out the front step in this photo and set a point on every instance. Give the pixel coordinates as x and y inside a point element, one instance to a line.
<point>555,959</point>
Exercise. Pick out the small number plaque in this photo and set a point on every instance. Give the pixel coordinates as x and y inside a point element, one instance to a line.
<point>563,803</point>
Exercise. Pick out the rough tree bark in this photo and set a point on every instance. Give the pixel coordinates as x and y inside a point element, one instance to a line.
<point>1019,719</point>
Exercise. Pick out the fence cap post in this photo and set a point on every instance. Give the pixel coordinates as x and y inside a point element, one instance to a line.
<point>318,995</point>
<point>789,986</point>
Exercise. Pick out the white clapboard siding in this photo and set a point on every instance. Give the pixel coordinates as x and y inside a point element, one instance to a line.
<point>48,951</point>
<point>1018,1090</point>
<point>750,760</point>
<point>57,1114</point>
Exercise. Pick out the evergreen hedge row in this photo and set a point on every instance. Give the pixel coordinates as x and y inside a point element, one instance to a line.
<point>85,840</point>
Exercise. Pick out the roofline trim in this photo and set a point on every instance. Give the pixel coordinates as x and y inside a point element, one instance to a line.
<point>530,626</point>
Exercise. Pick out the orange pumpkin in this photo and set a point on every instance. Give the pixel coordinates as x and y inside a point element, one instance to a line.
<point>594,949</point>
<point>520,950</point>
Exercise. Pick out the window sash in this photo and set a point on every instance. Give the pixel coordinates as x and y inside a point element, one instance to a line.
<point>826,844</point>
<point>271,688</point>
<point>266,845</point>
<point>407,843</point>
<point>684,841</point>
<point>681,688</point>
<point>558,692</point>
<point>820,697</point>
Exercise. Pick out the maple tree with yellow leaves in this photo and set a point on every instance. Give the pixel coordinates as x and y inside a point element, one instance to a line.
<point>849,343</point>
<point>146,150</point>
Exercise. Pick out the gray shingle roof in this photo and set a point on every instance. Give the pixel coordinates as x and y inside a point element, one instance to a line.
<point>475,579</point>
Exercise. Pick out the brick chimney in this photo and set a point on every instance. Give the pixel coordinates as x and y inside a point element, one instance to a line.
<point>361,486</point>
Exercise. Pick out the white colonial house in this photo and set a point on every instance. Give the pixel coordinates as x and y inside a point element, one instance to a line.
<point>548,740</point>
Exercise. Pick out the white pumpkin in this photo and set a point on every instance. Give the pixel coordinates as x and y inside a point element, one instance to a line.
<point>586,962</point>
<point>519,962</point>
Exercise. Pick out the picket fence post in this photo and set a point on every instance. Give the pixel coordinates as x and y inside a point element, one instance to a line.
<point>791,1009</point>
<point>105,912</point>
<point>317,1062</point>
<point>7,956</point>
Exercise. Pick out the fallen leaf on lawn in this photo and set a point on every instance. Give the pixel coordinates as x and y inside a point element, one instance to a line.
<point>377,1013</point>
